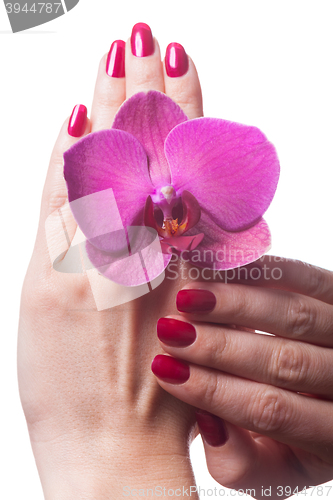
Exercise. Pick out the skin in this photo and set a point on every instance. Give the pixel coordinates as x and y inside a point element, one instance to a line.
<point>97,418</point>
<point>275,393</point>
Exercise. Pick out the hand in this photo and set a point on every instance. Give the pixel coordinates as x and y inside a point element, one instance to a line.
<point>274,393</point>
<point>96,416</point>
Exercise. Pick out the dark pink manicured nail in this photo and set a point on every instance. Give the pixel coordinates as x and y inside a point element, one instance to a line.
<point>78,120</point>
<point>115,64</point>
<point>142,42</point>
<point>170,370</point>
<point>176,60</point>
<point>195,301</point>
<point>212,428</point>
<point>175,333</point>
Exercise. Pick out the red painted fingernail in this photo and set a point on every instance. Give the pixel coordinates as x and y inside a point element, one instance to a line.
<point>176,60</point>
<point>142,42</point>
<point>115,64</point>
<point>195,301</point>
<point>212,428</point>
<point>78,120</point>
<point>175,333</point>
<point>170,370</point>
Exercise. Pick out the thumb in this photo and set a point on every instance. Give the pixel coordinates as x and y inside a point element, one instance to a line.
<point>231,452</point>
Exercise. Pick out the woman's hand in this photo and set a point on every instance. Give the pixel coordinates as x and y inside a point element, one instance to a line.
<point>274,393</point>
<point>97,419</point>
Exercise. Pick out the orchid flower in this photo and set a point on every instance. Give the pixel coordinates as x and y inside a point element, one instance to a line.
<point>203,185</point>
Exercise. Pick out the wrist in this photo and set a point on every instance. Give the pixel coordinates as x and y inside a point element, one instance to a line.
<point>104,469</point>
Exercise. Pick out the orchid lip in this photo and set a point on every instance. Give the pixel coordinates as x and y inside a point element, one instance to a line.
<point>171,215</point>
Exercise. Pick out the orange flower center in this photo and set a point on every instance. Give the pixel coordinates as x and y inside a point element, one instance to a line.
<point>170,227</point>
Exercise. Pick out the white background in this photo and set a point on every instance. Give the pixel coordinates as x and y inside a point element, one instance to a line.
<point>261,62</point>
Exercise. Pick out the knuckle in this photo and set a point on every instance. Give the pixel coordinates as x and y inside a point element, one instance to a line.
<point>38,294</point>
<point>211,392</point>
<point>55,192</point>
<point>301,317</point>
<point>57,158</point>
<point>184,99</point>
<point>238,302</point>
<point>56,200</point>
<point>147,76</point>
<point>319,281</point>
<point>106,100</point>
<point>289,365</point>
<point>217,349</point>
<point>268,411</point>
<point>47,294</point>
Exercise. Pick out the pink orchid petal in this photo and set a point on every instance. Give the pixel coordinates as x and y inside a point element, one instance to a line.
<point>150,116</point>
<point>148,216</point>
<point>126,272</point>
<point>191,212</point>
<point>145,263</point>
<point>99,219</point>
<point>231,169</point>
<point>224,250</point>
<point>115,163</point>
<point>182,243</point>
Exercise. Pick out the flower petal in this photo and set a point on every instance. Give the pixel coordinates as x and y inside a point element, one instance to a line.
<point>182,243</point>
<point>113,164</point>
<point>148,216</point>
<point>224,250</point>
<point>150,116</point>
<point>191,212</point>
<point>144,264</point>
<point>231,169</point>
<point>99,219</point>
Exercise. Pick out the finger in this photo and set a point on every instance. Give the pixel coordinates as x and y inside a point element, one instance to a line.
<point>181,81</point>
<point>286,274</point>
<point>110,87</point>
<point>143,65</point>
<point>291,365</point>
<point>261,408</point>
<point>281,313</point>
<point>55,190</point>
<point>56,222</point>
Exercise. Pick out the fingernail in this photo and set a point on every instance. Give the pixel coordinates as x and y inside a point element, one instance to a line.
<point>195,301</point>
<point>175,333</point>
<point>212,428</point>
<point>170,370</point>
<point>115,64</point>
<point>176,60</point>
<point>142,42</point>
<point>78,120</point>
